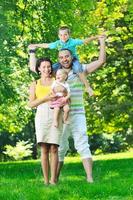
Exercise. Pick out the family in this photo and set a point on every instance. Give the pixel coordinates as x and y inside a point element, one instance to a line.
<point>58,97</point>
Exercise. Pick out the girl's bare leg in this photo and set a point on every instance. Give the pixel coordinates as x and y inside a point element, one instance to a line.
<point>56,116</point>
<point>53,163</point>
<point>86,83</point>
<point>45,162</point>
<point>66,113</point>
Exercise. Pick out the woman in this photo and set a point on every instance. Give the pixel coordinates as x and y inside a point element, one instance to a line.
<point>47,135</point>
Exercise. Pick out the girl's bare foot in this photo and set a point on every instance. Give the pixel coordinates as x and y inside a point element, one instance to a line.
<point>55,124</point>
<point>90,91</point>
<point>66,122</point>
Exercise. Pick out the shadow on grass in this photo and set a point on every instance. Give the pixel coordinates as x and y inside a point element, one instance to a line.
<point>101,168</point>
<point>112,179</point>
<point>109,166</point>
<point>15,170</point>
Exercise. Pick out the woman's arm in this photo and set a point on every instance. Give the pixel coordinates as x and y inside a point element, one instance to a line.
<point>32,61</point>
<point>32,58</point>
<point>33,101</point>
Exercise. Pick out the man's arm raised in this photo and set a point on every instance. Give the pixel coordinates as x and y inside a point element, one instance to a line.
<point>101,60</point>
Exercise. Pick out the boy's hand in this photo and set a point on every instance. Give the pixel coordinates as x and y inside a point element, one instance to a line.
<point>102,36</point>
<point>94,37</point>
<point>98,36</point>
<point>32,46</point>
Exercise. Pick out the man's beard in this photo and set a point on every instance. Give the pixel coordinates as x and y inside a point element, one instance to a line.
<point>67,67</point>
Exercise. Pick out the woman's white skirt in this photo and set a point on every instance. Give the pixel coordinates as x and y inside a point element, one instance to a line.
<point>46,132</point>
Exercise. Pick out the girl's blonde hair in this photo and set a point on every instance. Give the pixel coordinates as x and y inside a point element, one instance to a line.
<point>63,72</point>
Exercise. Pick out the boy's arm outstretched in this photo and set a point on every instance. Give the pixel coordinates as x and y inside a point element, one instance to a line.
<point>43,45</point>
<point>89,39</point>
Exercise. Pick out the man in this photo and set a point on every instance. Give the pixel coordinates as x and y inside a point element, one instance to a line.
<point>77,127</point>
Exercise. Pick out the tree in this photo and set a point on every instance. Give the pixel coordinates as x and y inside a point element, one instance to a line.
<point>25,21</point>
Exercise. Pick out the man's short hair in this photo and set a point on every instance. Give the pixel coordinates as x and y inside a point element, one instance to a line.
<point>65,49</point>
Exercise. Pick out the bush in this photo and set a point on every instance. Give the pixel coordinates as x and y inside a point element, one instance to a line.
<point>20,151</point>
<point>108,143</point>
<point>116,143</point>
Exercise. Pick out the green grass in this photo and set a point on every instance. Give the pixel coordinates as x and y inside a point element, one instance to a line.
<point>113,175</point>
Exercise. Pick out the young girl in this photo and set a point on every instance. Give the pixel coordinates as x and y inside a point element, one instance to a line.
<point>62,91</point>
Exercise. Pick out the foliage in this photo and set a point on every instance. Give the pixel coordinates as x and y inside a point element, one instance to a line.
<point>20,151</point>
<point>14,114</point>
<point>111,111</point>
<point>26,21</point>
<point>109,143</point>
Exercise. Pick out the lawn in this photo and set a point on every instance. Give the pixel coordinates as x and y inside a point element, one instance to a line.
<point>113,176</point>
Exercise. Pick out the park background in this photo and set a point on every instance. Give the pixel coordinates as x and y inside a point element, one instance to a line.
<point>109,114</point>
